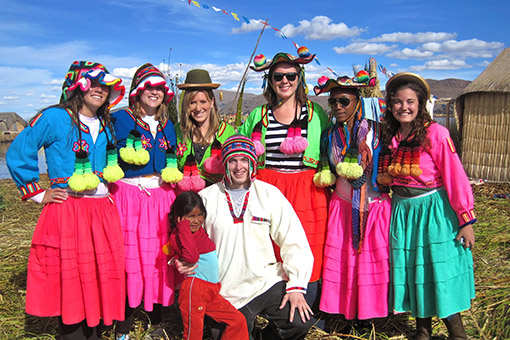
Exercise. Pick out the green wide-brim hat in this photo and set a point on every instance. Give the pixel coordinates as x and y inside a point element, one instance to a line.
<point>198,79</point>
<point>407,77</point>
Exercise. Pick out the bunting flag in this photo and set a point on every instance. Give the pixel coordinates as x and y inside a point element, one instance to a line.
<point>235,16</point>
<point>295,45</point>
<point>246,20</point>
<point>195,3</point>
<point>336,75</point>
<point>386,72</point>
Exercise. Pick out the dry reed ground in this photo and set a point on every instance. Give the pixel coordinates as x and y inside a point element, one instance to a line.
<point>489,317</point>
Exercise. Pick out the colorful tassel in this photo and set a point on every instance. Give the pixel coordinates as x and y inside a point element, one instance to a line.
<point>324,179</point>
<point>191,176</point>
<point>171,174</point>
<point>213,164</point>
<point>112,172</point>
<point>256,137</point>
<point>83,178</point>
<point>133,152</point>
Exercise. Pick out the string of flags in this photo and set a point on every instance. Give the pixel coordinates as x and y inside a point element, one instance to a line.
<point>239,17</point>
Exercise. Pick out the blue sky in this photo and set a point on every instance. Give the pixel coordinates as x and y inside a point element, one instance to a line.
<point>437,39</point>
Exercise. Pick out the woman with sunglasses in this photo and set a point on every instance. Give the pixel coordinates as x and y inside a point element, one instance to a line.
<point>286,133</point>
<point>356,256</point>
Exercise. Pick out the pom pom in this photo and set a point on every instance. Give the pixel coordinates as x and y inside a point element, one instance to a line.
<point>91,180</point>
<point>286,147</point>
<point>300,144</point>
<point>384,179</point>
<point>213,165</point>
<point>76,183</point>
<point>197,183</point>
<point>185,184</point>
<point>406,170</point>
<point>324,179</point>
<point>142,157</point>
<point>303,52</point>
<point>362,76</point>
<point>166,249</point>
<point>171,175</point>
<point>349,171</point>
<point>322,81</point>
<point>259,148</point>
<point>415,170</point>
<point>259,60</point>
<point>128,154</point>
<point>113,173</point>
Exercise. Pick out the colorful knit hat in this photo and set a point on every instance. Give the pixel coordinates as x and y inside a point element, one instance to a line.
<point>261,63</point>
<point>198,79</point>
<point>213,163</point>
<point>362,79</point>
<point>80,74</point>
<point>191,176</point>
<point>238,145</point>
<point>148,75</point>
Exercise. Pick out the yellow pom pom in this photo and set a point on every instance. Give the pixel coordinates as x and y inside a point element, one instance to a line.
<point>171,175</point>
<point>113,173</point>
<point>166,249</point>
<point>384,179</point>
<point>142,157</point>
<point>406,170</point>
<point>91,181</point>
<point>128,154</point>
<point>324,179</point>
<point>76,183</point>
<point>349,170</point>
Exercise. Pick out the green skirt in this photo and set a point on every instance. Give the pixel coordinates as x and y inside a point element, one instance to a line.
<point>432,272</point>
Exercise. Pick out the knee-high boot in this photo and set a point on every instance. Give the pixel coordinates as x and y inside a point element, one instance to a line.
<point>423,329</point>
<point>455,328</point>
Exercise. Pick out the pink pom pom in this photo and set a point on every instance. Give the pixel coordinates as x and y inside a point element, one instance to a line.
<point>185,184</point>
<point>322,81</point>
<point>259,148</point>
<point>197,183</point>
<point>287,146</point>
<point>300,144</point>
<point>213,165</point>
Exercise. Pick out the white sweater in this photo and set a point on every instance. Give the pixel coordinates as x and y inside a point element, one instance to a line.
<point>246,259</point>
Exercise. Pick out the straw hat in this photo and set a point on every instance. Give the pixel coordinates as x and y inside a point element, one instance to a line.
<point>407,77</point>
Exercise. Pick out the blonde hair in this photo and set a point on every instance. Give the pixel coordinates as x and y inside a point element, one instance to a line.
<point>188,126</point>
<point>161,113</point>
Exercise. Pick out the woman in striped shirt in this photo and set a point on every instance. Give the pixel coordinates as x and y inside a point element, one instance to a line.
<point>286,132</point>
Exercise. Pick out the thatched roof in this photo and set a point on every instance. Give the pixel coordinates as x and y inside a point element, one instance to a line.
<point>9,120</point>
<point>495,78</point>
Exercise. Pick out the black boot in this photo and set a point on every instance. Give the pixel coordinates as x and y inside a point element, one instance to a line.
<point>455,328</point>
<point>423,329</point>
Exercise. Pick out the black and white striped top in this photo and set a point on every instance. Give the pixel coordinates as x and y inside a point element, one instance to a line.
<point>275,134</point>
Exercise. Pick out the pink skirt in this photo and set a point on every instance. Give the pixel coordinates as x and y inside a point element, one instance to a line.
<point>355,284</point>
<point>76,263</point>
<point>144,218</point>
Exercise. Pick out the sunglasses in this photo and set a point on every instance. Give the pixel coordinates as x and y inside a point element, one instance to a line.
<point>291,76</point>
<point>344,101</point>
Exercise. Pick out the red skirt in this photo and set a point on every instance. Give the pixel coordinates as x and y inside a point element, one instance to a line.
<point>76,263</point>
<point>310,204</point>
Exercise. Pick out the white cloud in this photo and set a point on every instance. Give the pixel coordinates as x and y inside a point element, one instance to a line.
<point>414,38</point>
<point>364,48</point>
<point>321,28</point>
<point>254,25</point>
<point>443,64</point>
<point>473,48</point>
<point>10,98</point>
<point>408,53</point>
<point>46,96</point>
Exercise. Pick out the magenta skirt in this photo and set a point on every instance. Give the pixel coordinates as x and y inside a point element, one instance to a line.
<point>144,219</point>
<point>355,283</point>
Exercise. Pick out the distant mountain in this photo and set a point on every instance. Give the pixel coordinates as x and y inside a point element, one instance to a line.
<point>447,88</point>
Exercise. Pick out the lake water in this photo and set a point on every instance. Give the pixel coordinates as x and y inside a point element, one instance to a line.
<point>4,172</point>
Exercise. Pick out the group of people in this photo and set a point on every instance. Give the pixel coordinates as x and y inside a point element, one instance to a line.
<point>285,217</point>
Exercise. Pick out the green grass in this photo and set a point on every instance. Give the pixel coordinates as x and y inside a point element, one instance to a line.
<point>489,317</point>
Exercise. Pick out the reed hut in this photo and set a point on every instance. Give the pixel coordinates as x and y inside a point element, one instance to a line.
<point>11,122</point>
<point>483,116</point>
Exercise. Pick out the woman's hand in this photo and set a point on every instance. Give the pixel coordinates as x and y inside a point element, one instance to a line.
<point>466,236</point>
<point>185,268</point>
<point>297,300</point>
<point>57,195</point>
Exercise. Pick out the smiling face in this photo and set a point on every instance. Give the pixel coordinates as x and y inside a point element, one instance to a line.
<point>94,98</point>
<point>239,172</point>
<point>285,88</point>
<point>151,98</point>
<point>405,106</point>
<point>196,219</point>
<point>200,108</point>
<point>341,112</point>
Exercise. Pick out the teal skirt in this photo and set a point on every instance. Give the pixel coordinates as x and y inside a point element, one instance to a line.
<point>432,272</point>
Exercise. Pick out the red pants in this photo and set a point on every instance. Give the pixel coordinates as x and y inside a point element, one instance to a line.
<point>197,298</point>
